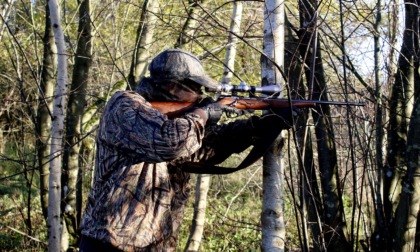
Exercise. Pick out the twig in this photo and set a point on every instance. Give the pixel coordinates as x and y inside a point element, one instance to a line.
<point>239,193</point>
<point>30,237</point>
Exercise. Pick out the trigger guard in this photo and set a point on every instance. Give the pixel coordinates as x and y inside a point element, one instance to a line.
<point>231,112</point>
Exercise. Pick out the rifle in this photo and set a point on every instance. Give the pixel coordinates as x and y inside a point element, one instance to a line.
<point>252,102</point>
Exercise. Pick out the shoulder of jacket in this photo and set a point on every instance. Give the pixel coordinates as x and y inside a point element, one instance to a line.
<point>132,95</point>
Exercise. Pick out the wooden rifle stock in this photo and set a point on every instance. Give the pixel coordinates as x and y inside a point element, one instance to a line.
<point>174,109</point>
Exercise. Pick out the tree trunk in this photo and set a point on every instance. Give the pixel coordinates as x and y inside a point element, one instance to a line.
<point>49,69</point>
<point>57,131</point>
<point>403,148</point>
<point>401,105</point>
<point>235,27</point>
<point>188,29</point>
<point>144,39</point>
<point>380,196</point>
<point>310,199</point>
<point>334,227</point>
<point>272,219</point>
<point>71,204</point>
<point>388,209</point>
<point>203,181</point>
<point>408,207</point>
<point>197,228</point>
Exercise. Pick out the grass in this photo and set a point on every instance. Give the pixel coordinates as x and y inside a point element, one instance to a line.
<point>232,215</point>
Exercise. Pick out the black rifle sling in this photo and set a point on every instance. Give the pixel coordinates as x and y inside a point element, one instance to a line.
<point>256,153</point>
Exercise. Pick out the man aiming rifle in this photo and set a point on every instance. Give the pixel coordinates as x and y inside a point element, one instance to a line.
<point>140,181</point>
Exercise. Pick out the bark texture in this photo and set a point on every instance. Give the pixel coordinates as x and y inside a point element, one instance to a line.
<point>71,180</point>
<point>57,134</point>
<point>144,40</point>
<point>272,219</point>
<point>49,70</point>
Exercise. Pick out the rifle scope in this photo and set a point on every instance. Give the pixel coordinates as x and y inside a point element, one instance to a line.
<point>244,88</point>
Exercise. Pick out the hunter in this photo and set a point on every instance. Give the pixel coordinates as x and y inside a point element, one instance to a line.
<point>140,189</point>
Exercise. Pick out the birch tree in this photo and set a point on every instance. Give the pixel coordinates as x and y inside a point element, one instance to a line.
<point>6,9</point>
<point>235,27</point>
<point>272,219</point>
<point>199,217</point>
<point>49,68</point>
<point>57,131</point>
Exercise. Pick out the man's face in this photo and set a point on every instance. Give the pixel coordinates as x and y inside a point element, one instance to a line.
<point>186,91</point>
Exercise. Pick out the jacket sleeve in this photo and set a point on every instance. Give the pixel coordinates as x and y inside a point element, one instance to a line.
<point>137,130</point>
<point>221,141</point>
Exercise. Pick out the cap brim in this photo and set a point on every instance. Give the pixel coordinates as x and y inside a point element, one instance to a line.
<point>205,81</point>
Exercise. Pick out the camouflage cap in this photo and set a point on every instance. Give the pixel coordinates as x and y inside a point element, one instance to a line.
<point>176,64</point>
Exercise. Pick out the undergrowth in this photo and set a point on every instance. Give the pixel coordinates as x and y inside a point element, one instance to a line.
<point>232,215</point>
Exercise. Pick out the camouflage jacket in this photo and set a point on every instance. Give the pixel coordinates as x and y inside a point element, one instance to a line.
<point>138,195</point>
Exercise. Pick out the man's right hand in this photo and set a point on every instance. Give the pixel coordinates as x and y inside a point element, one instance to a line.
<point>214,110</point>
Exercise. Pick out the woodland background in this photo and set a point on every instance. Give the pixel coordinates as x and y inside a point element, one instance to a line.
<point>350,175</point>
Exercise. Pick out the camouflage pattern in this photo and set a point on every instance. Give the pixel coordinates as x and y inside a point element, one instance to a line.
<point>139,193</point>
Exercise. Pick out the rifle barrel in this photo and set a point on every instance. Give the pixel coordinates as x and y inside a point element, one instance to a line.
<point>338,103</point>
